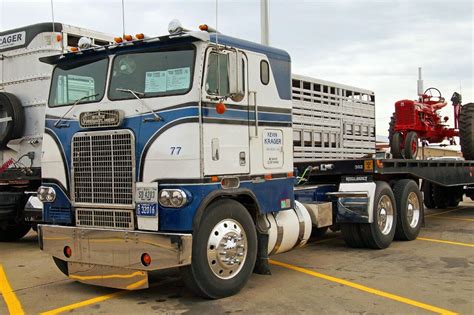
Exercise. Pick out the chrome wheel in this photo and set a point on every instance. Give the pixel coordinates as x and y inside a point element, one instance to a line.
<point>385,215</point>
<point>413,210</point>
<point>227,249</point>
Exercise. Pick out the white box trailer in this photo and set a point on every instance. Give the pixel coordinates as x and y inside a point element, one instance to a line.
<point>24,86</point>
<point>331,120</point>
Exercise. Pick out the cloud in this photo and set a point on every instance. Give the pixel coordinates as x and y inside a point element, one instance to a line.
<point>372,44</point>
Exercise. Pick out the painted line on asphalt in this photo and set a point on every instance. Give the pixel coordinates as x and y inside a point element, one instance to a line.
<point>364,288</point>
<point>13,304</point>
<point>84,303</point>
<point>438,213</point>
<point>444,242</point>
<point>454,218</point>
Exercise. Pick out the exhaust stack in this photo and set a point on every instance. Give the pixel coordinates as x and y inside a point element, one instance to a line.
<point>264,22</point>
<point>420,83</point>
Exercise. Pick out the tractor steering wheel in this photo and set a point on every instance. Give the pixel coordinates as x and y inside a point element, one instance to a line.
<point>434,92</point>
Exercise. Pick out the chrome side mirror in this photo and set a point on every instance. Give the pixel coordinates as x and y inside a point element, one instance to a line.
<point>236,73</point>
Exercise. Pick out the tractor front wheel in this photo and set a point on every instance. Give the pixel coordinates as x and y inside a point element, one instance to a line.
<point>410,151</point>
<point>396,145</point>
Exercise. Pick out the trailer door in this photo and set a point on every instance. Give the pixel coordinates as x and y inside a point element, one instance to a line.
<point>225,131</point>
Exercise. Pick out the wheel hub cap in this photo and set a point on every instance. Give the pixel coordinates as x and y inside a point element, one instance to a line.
<point>413,210</point>
<point>385,215</point>
<point>227,249</point>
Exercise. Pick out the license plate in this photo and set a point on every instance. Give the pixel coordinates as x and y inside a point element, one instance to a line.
<point>147,209</point>
<point>146,193</point>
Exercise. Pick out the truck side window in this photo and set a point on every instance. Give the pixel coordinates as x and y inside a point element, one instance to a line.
<point>264,72</point>
<point>217,78</point>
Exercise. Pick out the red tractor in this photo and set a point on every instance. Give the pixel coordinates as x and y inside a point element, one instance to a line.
<point>415,121</point>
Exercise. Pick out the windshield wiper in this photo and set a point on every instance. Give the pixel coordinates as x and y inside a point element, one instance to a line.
<point>135,93</point>
<point>56,124</point>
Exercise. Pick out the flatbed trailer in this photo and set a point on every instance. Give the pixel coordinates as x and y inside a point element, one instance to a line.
<point>442,172</point>
<point>384,192</point>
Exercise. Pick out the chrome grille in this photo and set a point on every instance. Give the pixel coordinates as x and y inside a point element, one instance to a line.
<point>105,218</point>
<point>103,168</point>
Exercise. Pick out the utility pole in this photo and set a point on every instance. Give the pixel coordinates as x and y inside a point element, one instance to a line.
<point>264,22</point>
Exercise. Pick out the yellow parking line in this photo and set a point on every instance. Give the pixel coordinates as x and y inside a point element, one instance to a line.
<point>438,213</point>
<point>364,288</point>
<point>454,218</point>
<point>444,242</point>
<point>13,304</point>
<point>84,303</point>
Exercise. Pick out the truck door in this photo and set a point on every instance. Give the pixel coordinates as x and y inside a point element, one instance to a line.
<point>225,129</point>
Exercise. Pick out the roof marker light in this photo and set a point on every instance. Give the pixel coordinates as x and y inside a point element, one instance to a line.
<point>118,40</point>
<point>139,36</point>
<point>73,49</point>
<point>128,37</point>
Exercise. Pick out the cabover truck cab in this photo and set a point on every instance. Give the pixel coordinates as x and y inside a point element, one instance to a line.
<point>176,151</point>
<point>24,85</point>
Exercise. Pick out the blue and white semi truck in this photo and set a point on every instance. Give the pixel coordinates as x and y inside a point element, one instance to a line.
<point>177,151</point>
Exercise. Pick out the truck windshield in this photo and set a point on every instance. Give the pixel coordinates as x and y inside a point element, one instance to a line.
<point>70,84</point>
<point>157,73</point>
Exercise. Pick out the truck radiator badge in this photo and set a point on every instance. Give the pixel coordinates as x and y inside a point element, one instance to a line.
<point>101,119</point>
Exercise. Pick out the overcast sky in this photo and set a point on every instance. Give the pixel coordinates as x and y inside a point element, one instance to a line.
<point>376,45</point>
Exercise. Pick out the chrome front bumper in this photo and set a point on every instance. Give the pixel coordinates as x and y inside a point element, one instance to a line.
<point>112,258</point>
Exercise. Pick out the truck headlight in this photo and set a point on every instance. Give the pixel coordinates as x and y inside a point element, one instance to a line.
<point>172,198</point>
<point>46,194</point>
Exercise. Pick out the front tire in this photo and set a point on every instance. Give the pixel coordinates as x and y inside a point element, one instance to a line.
<point>410,150</point>
<point>11,231</point>
<point>224,251</point>
<point>380,233</point>
<point>409,209</point>
<point>396,145</point>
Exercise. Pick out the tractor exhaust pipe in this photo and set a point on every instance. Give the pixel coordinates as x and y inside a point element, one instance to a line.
<point>264,27</point>
<point>420,83</point>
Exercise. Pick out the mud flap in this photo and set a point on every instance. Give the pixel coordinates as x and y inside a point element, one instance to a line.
<point>261,265</point>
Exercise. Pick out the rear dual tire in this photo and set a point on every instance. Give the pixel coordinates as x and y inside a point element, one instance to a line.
<point>410,210</point>
<point>380,233</point>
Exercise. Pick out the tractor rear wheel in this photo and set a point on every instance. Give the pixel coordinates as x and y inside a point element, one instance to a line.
<point>466,131</point>
<point>395,145</point>
<point>410,151</point>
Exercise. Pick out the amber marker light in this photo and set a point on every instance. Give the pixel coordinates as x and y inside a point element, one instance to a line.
<point>140,36</point>
<point>128,37</point>
<point>204,27</point>
<point>118,40</point>
<point>67,251</point>
<point>73,49</point>
<point>146,259</point>
<point>59,37</point>
<point>379,163</point>
<point>220,108</point>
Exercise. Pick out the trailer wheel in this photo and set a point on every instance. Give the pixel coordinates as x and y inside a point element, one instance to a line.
<point>440,196</point>
<point>466,131</point>
<point>224,251</point>
<point>409,209</point>
<point>10,108</point>
<point>62,265</point>
<point>352,235</point>
<point>396,145</point>
<point>428,198</point>
<point>455,196</point>
<point>13,231</point>
<point>380,233</point>
<point>410,149</point>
